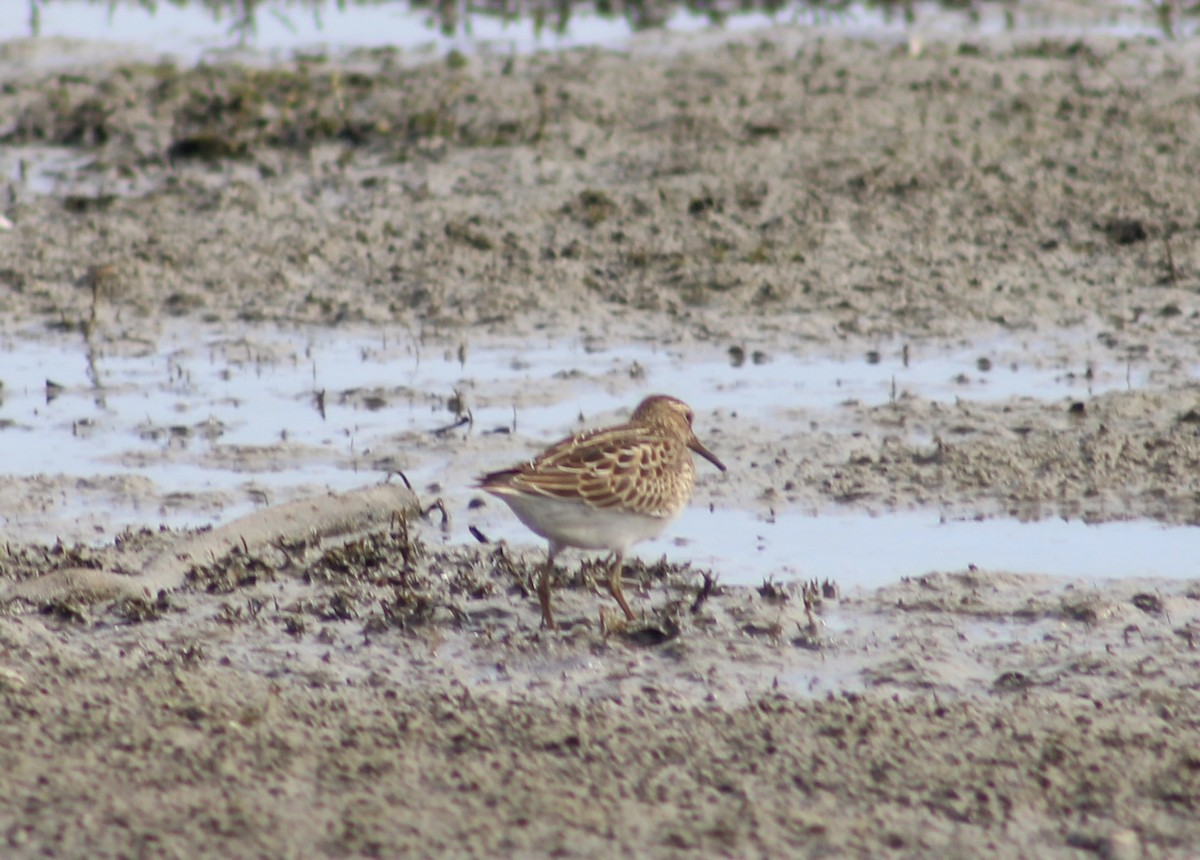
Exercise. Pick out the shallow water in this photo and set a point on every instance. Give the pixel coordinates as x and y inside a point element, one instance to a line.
<point>858,550</point>
<point>197,410</point>
<point>78,410</point>
<point>190,33</point>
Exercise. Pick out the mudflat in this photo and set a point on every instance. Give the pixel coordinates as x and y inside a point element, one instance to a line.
<point>339,680</point>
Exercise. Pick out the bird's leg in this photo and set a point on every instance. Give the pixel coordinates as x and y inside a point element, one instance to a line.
<point>543,591</point>
<point>614,585</point>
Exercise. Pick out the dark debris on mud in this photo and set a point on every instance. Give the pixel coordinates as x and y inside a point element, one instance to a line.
<point>398,580</point>
<point>225,112</point>
<point>389,579</point>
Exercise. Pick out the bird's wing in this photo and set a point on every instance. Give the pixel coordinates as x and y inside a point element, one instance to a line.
<point>628,467</point>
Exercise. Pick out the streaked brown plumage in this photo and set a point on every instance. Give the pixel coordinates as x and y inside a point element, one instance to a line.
<point>606,489</point>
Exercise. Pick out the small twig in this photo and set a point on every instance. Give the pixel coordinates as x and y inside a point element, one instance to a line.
<point>706,591</point>
<point>461,421</point>
<point>1171,273</point>
<point>438,505</point>
<point>403,477</point>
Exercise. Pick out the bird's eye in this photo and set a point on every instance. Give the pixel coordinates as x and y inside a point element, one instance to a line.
<point>690,416</point>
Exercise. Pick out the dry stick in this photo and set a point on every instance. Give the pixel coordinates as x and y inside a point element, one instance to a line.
<point>1171,274</point>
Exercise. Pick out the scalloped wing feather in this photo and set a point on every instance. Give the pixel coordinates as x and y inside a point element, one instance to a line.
<point>630,467</point>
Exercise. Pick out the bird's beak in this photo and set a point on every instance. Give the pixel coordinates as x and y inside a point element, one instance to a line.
<point>705,453</point>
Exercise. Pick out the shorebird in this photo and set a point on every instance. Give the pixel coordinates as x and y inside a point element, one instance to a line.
<point>606,489</point>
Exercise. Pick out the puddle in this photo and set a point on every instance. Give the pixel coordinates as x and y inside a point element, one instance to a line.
<point>43,169</point>
<point>191,32</point>
<point>64,172</point>
<point>864,551</point>
<point>68,410</point>
<point>267,413</point>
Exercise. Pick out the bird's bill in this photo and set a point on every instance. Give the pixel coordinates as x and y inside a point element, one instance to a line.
<point>706,454</point>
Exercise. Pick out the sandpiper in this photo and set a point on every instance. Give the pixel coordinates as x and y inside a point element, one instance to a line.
<point>606,489</point>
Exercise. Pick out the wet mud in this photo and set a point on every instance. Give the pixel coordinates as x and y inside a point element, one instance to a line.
<point>389,692</point>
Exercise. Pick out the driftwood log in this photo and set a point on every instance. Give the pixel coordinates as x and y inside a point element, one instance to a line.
<point>315,520</point>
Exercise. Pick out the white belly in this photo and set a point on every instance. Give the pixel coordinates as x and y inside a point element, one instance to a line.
<point>567,523</point>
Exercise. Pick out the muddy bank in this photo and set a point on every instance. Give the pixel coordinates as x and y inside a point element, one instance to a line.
<point>827,190</point>
<point>389,697</point>
<point>1112,457</point>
